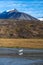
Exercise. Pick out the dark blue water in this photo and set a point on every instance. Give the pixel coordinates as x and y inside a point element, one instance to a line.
<point>19,61</point>
<point>26,59</point>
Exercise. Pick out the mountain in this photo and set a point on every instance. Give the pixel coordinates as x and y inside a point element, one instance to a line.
<point>14,14</point>
<point>15,24</point>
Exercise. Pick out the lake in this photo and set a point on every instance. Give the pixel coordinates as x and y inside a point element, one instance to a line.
<point>13,56</point>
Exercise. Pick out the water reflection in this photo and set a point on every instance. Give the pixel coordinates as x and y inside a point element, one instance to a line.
<point>10,56</point>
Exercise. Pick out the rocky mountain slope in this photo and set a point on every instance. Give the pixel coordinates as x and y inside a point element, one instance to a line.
<point>14,24</point>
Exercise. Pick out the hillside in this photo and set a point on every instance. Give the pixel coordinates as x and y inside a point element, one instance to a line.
<point>10,28</point>
<point>15,24</point>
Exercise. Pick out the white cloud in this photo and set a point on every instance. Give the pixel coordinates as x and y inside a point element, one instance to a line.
<point>41,19</point>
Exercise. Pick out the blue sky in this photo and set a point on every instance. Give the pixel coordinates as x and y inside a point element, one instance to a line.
<point>32,7</point>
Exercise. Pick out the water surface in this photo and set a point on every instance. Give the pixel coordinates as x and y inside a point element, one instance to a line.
<point>10,56</point>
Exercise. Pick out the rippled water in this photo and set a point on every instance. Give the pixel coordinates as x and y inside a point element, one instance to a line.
<point>26,59</point>
<point>19,61</point>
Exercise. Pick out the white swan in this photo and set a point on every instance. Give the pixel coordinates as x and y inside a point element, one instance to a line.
<point>20,53</point>
<point>21,50</point>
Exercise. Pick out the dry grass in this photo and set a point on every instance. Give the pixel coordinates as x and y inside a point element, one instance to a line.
<point>26,43</point>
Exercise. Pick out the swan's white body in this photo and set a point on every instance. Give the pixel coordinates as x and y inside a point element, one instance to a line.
<point>21,50</point>
<point>20,53</point>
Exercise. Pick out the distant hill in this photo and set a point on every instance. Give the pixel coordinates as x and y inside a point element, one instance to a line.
<point>14,24</point>
<point>14,14</point>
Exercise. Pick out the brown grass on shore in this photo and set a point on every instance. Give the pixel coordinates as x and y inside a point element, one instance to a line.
<point>25,43</point>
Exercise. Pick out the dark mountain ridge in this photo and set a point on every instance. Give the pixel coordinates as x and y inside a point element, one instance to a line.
<point>14,14</point>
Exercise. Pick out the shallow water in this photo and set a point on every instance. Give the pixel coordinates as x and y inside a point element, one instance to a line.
<point>10,56</point>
